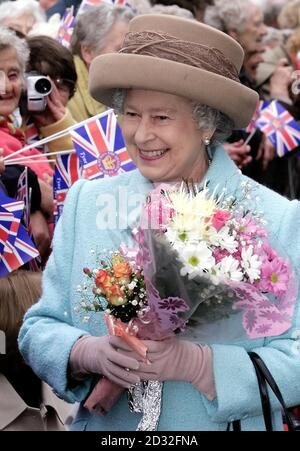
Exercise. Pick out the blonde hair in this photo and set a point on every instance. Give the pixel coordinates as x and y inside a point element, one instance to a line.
<point>19,290</point>
<point>293,43</point>
<point>289,16</point>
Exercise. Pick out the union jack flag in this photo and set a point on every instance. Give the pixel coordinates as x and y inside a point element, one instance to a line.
<point>11,212</point>
<point>66,28</point>
<point>67,171</point>
<point>8,224</point>
<point>17,255</point>
<point>16,248</point>
<point>100,147</point>
<point>280,127</point>
<point>32,135</point>
<point>252,124</point>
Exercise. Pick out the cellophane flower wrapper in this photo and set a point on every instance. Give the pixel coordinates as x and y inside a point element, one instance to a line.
<point>261,287</point>
<point>106,393</point>
<point>204,259</point>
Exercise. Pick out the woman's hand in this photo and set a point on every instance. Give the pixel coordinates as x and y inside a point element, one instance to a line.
<point>281,81</point>
<point>266,152</point>
<point>103,355</point>
<point>54,111</point>
<point>239,152</point>
<point>38,227</point>
<point>174,359</point>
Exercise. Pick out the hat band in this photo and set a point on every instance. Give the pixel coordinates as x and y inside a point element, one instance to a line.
<point>165,46</point>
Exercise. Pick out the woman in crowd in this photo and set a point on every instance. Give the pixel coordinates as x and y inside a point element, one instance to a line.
<point>243,20</point>
<point>21,15</point>
<point>51,59</point>
<point>175,83</point>
<point>100,29</point>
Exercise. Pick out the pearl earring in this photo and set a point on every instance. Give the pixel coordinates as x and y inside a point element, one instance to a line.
<point>207,141</point>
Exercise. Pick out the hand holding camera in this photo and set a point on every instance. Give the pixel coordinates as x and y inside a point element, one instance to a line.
<point>43,100</point>
<point>38,88</point>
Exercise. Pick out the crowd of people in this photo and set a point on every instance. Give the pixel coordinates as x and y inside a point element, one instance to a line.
<point>185,78</point>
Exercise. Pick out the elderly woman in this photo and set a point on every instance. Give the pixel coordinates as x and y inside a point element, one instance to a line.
<point>51,59</point>
<point>196,7</point>
<point>176,85</point>
<point>100,29</point>
<point>21,15</point>
<point>14,56</point>
<point>243,20</point>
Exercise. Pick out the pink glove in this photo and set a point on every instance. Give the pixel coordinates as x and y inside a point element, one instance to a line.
<point>103,355</point>
<point>174,359</point>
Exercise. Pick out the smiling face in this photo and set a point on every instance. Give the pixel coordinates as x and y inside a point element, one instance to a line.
<point>11,71</point>
<point>161,136</point>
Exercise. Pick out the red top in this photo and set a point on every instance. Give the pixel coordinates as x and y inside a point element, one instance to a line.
<point>12,139</point>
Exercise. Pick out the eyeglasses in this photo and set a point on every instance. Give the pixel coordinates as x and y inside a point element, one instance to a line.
<point>65,83</point>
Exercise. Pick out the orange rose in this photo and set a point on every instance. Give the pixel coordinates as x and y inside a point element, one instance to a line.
<point>115,295</point>
<point>121,270</point>
<point>102,279</point>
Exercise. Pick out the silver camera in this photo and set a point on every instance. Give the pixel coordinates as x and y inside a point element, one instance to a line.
<point>38,88</point>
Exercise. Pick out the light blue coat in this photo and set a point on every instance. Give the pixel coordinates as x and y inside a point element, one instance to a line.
<point>52,326</point>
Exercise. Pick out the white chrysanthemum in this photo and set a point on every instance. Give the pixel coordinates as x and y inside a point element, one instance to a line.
<point>196,259</point>
<point>251,263</point>
<point>182,202</point>
<point>229,268</point>
<point>227,240</point>
<point>205,207</point>
<point>183,222</point>
<point>211,235</point>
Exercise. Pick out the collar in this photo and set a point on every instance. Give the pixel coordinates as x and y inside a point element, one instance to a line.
<point>221,173</point>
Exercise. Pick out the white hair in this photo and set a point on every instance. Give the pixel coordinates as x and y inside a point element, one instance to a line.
<point>276,35</point>
<point>227,16</point>
<point>173,10</point>
<point>12,9</point>
<point>141,6</point>
<point>206,117</point>
<point>8,39</point>
<point>49,28</point>
<point>93,25</point>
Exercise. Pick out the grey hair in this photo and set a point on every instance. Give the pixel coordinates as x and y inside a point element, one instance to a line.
<point>11,9</point>
<point>94,24</point>
<point>227,16</point>
<point>141,6</point>
<point>8,39</point>
<point>206,117</point>
<point>274,34</point>
<point>173,10</point>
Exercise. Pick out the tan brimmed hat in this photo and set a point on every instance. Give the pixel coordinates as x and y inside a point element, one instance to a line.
<point>177,56</point>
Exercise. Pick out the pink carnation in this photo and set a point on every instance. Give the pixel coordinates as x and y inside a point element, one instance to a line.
<point>219,218</point>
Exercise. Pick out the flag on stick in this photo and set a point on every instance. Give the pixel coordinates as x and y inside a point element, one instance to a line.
<point>280,127</point>
<point>67,171</point>
<point>100,147</point>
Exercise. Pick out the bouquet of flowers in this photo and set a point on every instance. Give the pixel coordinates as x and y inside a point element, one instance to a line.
<point>119,290</point>
<point>213,253</point>
<point>199,257</point>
